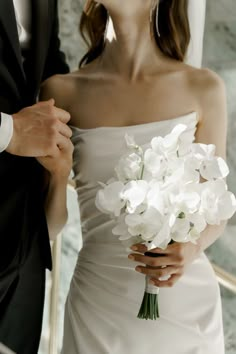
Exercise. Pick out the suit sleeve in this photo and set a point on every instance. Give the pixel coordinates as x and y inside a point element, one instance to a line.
<point>6,130</point>
<point>56,60</point>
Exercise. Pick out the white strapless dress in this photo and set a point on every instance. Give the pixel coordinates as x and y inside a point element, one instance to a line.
<point>106,292</point>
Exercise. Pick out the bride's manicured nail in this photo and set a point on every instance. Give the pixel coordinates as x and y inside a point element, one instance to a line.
<point>151,282</point>
<point>138,270</point>
<point>134,248</point>
<point>131,257</point>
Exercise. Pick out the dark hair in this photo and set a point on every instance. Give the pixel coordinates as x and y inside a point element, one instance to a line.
<point>172,22</point>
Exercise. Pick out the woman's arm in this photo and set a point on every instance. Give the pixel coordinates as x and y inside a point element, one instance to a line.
<point>57,170</point>
<point>212,129</point>
<point>55,205</point>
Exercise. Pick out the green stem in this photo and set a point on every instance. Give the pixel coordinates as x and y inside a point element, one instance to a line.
<point>149,307</point>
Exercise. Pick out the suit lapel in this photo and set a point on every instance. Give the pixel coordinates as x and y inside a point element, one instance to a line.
<point>40,15</point>
<point>8,21</point>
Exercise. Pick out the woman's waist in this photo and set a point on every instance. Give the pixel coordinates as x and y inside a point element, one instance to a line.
<point>98,227</point>
<point>104,252</point>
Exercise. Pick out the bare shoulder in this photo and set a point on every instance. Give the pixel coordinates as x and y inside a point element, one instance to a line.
<point>206,81</point>
<point>209,90</point>
<point>66,89</point>
<point>59,87</point>
<point>210,93</point>
<point>206,84</point>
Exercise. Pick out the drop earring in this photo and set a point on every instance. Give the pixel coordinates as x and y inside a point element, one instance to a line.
<point>154,17</point>
<point>157,20</point>
<point>88,7</point>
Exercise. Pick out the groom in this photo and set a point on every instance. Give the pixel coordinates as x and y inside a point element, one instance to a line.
<point>29,53</point>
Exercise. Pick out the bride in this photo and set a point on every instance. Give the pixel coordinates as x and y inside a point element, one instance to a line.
<point>133,79</point>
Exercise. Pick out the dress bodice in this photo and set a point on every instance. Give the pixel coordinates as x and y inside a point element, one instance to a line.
<point>97,150</point>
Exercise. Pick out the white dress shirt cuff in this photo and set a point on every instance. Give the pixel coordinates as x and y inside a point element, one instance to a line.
<point>6,131</point>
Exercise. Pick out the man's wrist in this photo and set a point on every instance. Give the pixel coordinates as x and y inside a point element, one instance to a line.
<point>6,131</point>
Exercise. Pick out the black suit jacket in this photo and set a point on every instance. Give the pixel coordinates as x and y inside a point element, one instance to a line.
<point>22,218</point>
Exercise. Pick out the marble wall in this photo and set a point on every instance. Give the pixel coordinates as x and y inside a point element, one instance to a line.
<point>220,55</point>
<point>72,44</point>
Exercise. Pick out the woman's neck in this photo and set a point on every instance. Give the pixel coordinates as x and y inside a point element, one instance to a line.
<point>130,47</point>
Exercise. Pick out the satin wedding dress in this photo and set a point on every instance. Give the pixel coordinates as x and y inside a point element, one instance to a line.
<point>106,292</point>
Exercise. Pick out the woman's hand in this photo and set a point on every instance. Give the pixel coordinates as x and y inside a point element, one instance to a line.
<point>60,164</point>
<point>171,262</point>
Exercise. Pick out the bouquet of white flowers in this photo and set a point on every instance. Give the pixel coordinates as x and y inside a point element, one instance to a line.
<point>167,192</point>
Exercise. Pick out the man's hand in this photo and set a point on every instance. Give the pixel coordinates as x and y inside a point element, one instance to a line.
<point>39,130</point>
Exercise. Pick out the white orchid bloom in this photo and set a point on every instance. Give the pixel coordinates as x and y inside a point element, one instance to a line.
<point>134,194</point>
<point>180,230</point>
<point>129,167</point>
<point>169,143</point>
<point>146,224</point>
<point>155,197</point>
<point>185,201</point>
<point>198,225</point>
<point>188,228</point>
<point>163,236</point>
<point>203,151</point>
<point>109,200</point>
<point>214,168</point>
<point>211,166</point>
<point>181,171</point>
<point>191,170</point>
<point>217,203</point>
<point>121,229</point>
<point>154,163</point>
